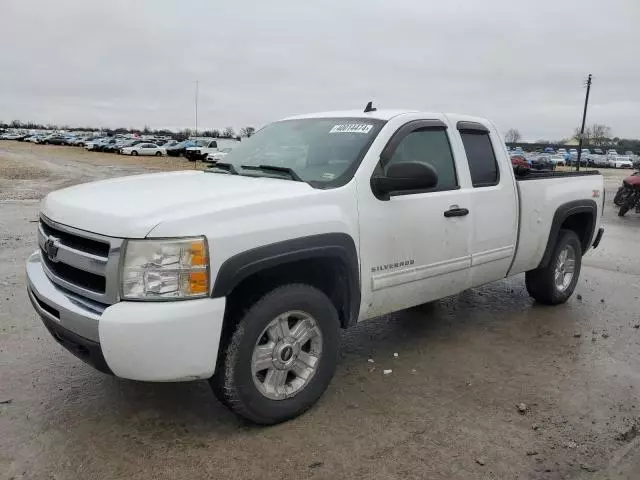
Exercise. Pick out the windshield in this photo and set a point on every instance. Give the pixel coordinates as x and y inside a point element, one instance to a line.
<point>324,152</point>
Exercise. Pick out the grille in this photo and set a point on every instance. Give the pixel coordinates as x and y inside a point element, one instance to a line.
<point>81,262</point>
<point>88,280</point>
<point>82,244</point>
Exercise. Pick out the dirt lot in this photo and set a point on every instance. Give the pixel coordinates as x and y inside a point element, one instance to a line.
<point>448,410</point>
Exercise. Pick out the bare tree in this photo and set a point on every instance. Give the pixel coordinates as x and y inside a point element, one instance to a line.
<point>595,134</point>
<point>512,136</point>
<point>228,133</point>
<point>247,131</point>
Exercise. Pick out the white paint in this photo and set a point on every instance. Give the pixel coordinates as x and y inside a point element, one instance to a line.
<point>162,341</point>
<point>431,256</point>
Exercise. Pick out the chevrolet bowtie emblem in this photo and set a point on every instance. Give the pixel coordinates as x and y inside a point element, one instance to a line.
<point>50,248</point>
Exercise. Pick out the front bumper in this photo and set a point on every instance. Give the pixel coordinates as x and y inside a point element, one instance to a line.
<point>148,341</point>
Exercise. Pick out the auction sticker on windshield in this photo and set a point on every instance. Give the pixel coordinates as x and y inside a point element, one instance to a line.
<point>351,128</point>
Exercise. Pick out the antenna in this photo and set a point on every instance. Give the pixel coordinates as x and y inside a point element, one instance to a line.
<point>369,108</point>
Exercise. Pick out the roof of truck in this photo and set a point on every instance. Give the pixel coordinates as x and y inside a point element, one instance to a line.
<point>377,114</point>
<point>383,114</point>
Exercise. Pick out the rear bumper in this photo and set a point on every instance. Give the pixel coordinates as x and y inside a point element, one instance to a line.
<point>147,341</point>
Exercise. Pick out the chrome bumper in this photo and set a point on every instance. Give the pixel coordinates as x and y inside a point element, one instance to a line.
<point>61,307</point>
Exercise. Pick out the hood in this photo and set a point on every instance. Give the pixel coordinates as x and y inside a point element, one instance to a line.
<point>130,207</point>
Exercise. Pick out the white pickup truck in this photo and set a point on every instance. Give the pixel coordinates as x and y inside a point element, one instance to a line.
<point>243,274</point>
<point>209,147</point>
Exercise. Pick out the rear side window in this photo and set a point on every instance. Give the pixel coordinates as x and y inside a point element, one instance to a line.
<point>481,158</point>
<point>429,146</point>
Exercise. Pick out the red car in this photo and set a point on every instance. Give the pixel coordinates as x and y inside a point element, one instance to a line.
<point>520,161</point>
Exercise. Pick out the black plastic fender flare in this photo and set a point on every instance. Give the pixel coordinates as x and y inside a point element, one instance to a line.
<point>336,245</point>
<point>563,212</point>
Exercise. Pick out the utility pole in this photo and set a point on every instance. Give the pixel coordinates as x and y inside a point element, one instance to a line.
<point>195,163</point>
<point>584,118</point>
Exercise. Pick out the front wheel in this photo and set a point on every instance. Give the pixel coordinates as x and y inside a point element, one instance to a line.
<point>554,284</point>
<point>281,356</point>
<point>158,154</point>
<point>134,153</point>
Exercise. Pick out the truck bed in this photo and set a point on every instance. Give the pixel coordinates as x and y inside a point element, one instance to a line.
<point>539,174</point>
<point>540,195</point>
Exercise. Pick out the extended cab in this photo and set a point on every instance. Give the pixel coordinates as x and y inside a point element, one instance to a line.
<point>243,274</point>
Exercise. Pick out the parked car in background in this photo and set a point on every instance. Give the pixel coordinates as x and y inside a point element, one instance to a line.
<point>11,136</point>
<point>549,150</point>
<point>598,160</point>
<point>95,144</point>
<point>201,149</point>
<point>612,152</point>
<point>127,143</point>
<point>76,141</point>
<point>520,162</point>
<point>144,149</point>
<point>557,159</point>
<point>204,148</point>
<point>170,143</point>
<point>620,162</point>
<point>542,162</point>
<point>598,151</point>
<point>180,148</point>
<point>219,155</point>
<point>54,140</point>
<point>34,138</point>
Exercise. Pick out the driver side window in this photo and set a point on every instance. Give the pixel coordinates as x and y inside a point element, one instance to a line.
<point>429,146</point>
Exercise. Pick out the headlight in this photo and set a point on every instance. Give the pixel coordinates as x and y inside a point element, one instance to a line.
<point>165,269</point>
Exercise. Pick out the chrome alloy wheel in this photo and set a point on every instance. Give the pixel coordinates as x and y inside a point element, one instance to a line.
<point>565,267</point>
<point>286,355</point>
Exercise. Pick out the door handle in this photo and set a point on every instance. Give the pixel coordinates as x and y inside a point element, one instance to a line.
<point>456,212</point>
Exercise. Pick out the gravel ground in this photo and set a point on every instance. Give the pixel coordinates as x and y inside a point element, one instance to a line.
<point>485,384</point>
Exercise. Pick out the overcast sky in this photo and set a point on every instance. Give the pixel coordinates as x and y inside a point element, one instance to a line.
<point>135,62</point>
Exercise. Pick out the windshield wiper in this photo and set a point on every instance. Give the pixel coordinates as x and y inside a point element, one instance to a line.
<point>225,167</point>
<point>273,168</point>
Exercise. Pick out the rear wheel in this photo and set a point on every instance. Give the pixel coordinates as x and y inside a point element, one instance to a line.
<point>556,282</point>
<point>629,202</point>
<point>281,356</point>
<point>135,152</point>
<point>158,154</point>
<point>621,196</point>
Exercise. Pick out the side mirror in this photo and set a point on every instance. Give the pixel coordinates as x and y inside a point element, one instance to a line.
<point>402,177</point>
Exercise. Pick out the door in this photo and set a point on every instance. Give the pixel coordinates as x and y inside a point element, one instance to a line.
<point>495,204</point>
<point>147,149</point>
<point>414,247</point>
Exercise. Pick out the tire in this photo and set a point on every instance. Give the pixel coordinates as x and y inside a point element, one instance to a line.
<point>134,153</point>
<point>245,390</point>
<point>158,154</point>
<point>621,196</point>
<point>629,202</point>
<point>542,282</point>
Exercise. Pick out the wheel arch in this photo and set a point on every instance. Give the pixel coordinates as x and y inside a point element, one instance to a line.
<point>328,262</point>
<point>580,217</point>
